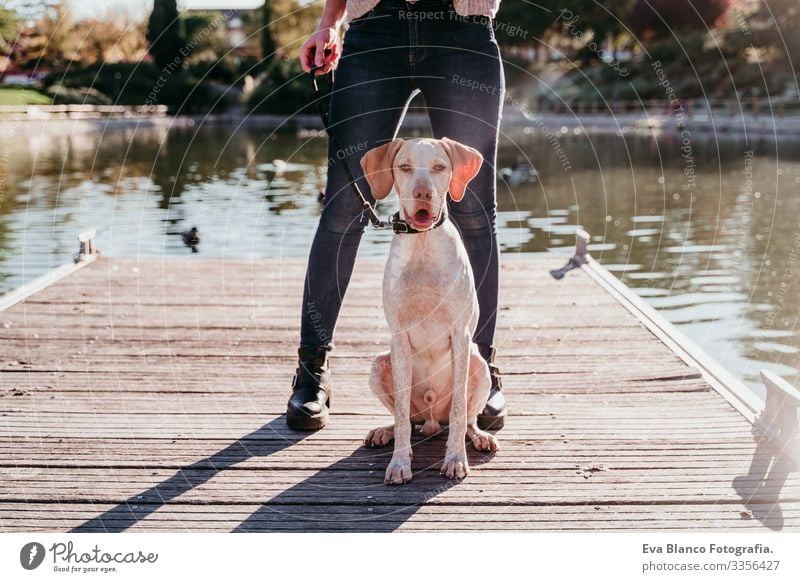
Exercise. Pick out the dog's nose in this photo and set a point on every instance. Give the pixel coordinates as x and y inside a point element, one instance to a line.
<point>422,193</point>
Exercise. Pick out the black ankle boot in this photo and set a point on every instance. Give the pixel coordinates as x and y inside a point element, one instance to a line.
<point>311,390</point>
<point>493,416</point>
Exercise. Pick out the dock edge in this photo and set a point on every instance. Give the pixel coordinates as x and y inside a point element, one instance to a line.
<point>776,419</point>
<point>87,253</point>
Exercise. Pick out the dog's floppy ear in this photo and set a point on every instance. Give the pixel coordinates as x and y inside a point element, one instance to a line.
<point>466,163</point>
<point>377,166</point>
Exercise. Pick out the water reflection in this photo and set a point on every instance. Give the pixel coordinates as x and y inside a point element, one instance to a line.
<point>709,234</point>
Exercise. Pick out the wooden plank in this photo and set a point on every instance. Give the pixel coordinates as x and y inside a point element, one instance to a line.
<point>729,387</point>
<point>251,517</point>
<point>365,486</point>
<point>532,455</point>
<point>271,401</point>
<point>215,365</point>
<point>356,343</point>
<point>96,347</point>
<point>263,426</point>
<point>16,384</point>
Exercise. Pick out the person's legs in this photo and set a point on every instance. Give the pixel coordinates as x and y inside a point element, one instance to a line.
<point>367,102</point>
<point>463,88</point>
<point>461,78</point>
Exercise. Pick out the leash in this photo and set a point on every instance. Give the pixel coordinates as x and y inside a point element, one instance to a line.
<point>322,101</point>
<point>398,225</point>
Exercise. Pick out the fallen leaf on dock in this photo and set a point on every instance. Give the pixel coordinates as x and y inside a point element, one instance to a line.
<point>588,470</point>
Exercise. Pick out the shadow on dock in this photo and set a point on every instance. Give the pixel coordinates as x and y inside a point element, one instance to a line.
<point>335,498</point>
<point>139,506</point>
<point>761,488</point>
<point>380,507</point>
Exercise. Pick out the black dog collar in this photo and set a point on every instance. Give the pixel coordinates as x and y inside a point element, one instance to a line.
<point>400,226</point>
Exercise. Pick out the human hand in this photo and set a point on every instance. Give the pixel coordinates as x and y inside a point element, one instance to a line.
<point>320,51</point>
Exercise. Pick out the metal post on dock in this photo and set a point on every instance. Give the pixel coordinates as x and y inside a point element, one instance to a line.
<point>577,260</point>
<point>87,251</point>
<point>779,419</point>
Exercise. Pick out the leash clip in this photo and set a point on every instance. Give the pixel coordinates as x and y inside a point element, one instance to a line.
<point>400,228</point>
<point>397,225</point>
<point>369,210</point>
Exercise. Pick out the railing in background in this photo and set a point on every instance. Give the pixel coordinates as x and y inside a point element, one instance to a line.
<point>10,112</point>
<point>729,107</point>
<point>651,107</point>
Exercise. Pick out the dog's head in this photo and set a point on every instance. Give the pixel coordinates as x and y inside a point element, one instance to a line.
<point>422,171</point>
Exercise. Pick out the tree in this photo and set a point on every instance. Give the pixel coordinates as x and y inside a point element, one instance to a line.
<point>164,35</point>
<point>48,43</point>
<point>96,38</point>
<point>534,18</point>
<point>588,20</point>
<point>654,19</point>
<point>776,27</point>
<point>267,41</point>
<point>604,19</point>
<point>132,45</point>
<point>9,29</point>
<point>285,24</point>
<point>206,36</point>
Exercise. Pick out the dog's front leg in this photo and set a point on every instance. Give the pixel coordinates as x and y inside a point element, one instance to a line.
<point>399,470</point>
<point>455,464</point>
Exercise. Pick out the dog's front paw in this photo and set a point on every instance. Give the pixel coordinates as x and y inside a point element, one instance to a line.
<point>455,466</point>
<point>483,441</point>
<point>398,471</point>
<point>379,437</point>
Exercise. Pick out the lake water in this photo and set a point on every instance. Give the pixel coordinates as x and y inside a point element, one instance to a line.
<point>706,229</point>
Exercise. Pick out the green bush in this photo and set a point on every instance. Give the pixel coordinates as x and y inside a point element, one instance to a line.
<point>139,84</point>
<point>283,88</point>
<point>123,83</point>
<point>79,95</point>
<point>185,94</point>
<point>517,71</point>
<point>248,66</point>
<point>220,70</point>
<point>681,51</point>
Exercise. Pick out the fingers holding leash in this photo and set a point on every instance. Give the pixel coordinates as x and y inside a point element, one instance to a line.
<point>320,52</point>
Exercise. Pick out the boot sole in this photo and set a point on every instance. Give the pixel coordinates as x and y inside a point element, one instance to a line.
<point>308,421</point>
<point>486,422</point>
<point>305,422</point>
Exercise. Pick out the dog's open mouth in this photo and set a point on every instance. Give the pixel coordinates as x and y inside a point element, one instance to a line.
<point>421,218</point>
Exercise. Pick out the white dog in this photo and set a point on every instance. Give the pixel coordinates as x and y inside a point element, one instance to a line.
<point>433,373</point>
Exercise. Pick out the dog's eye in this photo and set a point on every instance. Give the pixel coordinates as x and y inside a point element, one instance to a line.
<point>439,168</point>
<point>405,168</point>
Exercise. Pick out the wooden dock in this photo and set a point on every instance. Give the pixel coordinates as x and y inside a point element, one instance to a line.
<point>147,395</point>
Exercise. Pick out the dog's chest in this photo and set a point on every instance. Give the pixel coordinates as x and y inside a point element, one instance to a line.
<point>427,286</point>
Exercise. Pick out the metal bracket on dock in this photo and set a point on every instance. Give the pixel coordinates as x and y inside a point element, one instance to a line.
<point>577,260</point>
<point>779,419</point>
<point>87,250</point>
